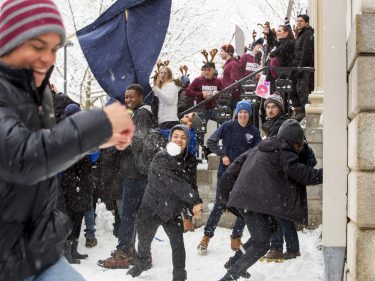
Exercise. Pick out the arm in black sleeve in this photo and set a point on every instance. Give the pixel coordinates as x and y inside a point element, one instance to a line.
<point>29,157</point>
<point>300,172</point>
<point>228,179</point>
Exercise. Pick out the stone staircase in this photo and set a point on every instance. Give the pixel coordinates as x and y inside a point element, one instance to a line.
<point>207,180</point>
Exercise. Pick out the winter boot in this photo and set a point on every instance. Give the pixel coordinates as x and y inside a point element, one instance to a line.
<point>68,253</point>
<point>91,242</point>
<point>273,256</point>
<point>230,262</point>
<point>188,225</point>
<point>179,274</point>
<point>298,114</point>
<point>288,255</point>
<point>228,277</point>
<point>117,260</point>
<point>235,243</point>
<point>202,247</point>
<point>75,253</point>
<point>140,266</point>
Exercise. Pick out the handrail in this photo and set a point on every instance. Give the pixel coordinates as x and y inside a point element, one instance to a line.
<point>230,87</point>
<point>244,79</point>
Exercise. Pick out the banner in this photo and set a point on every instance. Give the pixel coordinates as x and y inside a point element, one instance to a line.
<point>124,43</point>
<point>263,88</point>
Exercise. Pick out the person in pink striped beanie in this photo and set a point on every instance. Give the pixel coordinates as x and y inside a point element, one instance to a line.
<point>34,149</point>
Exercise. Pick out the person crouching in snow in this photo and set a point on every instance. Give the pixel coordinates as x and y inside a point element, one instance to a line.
<point>171,187</point>
<point>260,185</point>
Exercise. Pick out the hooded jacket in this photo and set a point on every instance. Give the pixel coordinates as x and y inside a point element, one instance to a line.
<point>171,183</point>
<point>264,180</point>
<point>33,151</point>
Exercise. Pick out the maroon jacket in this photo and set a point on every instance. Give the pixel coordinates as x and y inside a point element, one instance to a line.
<point>230,75</point>
<point>247,65</point>
<point>200,84</point>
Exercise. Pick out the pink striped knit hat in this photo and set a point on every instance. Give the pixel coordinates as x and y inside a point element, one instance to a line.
<point>21,20</point>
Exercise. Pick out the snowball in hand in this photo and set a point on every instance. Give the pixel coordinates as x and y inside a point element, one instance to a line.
<point>173,149</point>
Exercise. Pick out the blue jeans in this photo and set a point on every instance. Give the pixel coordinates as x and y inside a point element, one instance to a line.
<point>216,213</point>
<point>288,230</point>
<point>59,271</point>
<point>90,224</point>
<point>132,194</point>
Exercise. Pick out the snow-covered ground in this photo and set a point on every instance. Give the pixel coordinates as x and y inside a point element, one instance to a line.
<point>308,267</point>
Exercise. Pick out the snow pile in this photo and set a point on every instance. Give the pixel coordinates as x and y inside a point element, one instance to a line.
<point>308,267</point>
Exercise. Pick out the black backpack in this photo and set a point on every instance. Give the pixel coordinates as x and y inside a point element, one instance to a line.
<point>184,102</point>
<point>152,101</point>
<point>151,144</point>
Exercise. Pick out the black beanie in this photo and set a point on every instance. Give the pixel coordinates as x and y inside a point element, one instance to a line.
<point>291,131</point>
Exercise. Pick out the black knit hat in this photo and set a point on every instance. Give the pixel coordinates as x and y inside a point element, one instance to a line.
<point>291,131</point>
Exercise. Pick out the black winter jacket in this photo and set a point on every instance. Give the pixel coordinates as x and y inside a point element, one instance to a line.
<point>171,185</point>
<point>77,184</point>
<point>271,126</point>
<point>304,52</point>
<point>284,51</point>
<point>32,231</point>
<point>109,175</point>
<point>60,101</point>
<point>262,181</point>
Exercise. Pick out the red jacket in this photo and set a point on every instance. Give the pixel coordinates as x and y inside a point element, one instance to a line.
<point>230,75</point>
<point>200,84</point>
<point>247,65</point>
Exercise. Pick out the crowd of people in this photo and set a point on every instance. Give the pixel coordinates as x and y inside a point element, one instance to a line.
<point>142,162</point>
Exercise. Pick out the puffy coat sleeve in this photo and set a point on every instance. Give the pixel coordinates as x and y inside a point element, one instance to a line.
<point>300,172</point>
<point>29,157</point>
<point>230,175</point>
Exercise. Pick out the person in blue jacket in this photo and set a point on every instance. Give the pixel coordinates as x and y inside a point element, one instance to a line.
<point>193,122</point>
<point>237,136</point>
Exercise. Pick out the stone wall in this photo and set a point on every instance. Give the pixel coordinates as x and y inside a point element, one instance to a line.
<point>361,147</point>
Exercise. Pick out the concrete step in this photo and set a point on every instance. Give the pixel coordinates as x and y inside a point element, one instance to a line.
<point>314,192</point>
<point>313,120</point>
<point>206,177</point>
<point>314,135</point>
<point>213,161</point>
<point>318,149</point>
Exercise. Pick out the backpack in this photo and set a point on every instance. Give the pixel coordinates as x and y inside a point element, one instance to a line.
<point>151,144</point>
<point>184,102</point>
<point>152,101</point>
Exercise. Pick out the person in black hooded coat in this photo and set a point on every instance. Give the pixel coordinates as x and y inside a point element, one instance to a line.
<point>273,169</point>
<point>171,188</point>
<point>33,149</point>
